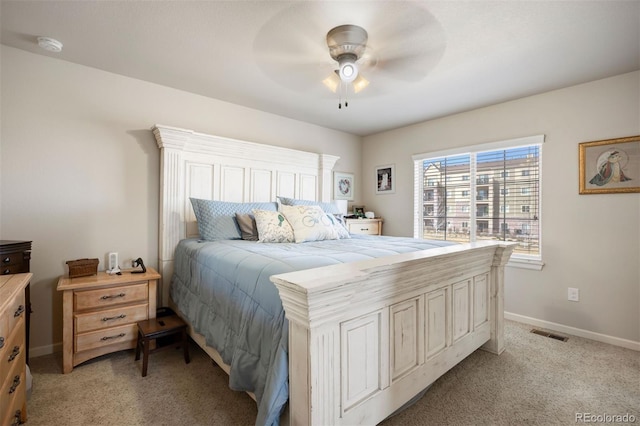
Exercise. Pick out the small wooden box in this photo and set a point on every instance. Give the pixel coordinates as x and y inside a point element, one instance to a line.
<point>82,267</point>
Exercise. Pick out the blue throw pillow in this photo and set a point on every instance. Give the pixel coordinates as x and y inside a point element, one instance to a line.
<point>217,219</point>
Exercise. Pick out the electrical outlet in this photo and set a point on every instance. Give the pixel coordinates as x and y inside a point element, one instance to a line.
<point>573,294</point>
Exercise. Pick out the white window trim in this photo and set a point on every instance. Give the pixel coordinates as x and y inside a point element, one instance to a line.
<point>516,260</point>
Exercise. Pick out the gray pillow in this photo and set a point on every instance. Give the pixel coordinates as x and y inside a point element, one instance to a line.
<point>248,228</point>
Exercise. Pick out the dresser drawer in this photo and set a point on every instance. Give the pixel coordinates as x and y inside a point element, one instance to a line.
<point>10,259</point>
<point>13,349</point>
<point>92,299</point>
<point>101,338</point>
<point>111,317</point>
<point>14,269</point>
<point>14,412</point>
<point>13,314</point>
<point>13,389</point>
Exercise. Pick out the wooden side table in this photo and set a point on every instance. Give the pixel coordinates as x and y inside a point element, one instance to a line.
<point>100,313</point>
<point>155,328</point>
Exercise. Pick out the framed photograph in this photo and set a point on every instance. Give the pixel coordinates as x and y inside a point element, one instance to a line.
<point>358,211</point>
<point>610,166</point>
<point>343,186</point>
<point>386,179</point>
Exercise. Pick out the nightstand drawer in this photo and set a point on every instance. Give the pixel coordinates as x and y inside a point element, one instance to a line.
<point>111,317</point>
<point>91,299</point>
<point>369,228</point>
<point>101,338</point>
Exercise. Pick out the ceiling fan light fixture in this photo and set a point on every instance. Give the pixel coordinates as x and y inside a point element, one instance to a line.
<point>348,69</point>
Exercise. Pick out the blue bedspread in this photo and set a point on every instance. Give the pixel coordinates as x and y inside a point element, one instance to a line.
<point>223,288</point>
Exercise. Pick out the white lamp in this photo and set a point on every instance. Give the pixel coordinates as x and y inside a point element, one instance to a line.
<point>342,205</point>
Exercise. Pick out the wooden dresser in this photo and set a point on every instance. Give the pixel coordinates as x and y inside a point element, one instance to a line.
<point>100,313</point>
<point>365,226</point>
<point>13,383</point>
<point>14,259</point>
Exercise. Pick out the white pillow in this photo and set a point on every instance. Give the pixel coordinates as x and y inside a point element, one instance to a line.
<point>272,227</point>
<point>309,223</point>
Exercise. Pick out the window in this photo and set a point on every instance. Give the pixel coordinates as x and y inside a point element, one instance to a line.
<point>505,178</point>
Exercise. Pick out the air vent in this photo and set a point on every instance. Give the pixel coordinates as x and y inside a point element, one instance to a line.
<point>550,335</point>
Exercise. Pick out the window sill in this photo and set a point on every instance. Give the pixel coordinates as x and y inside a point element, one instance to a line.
<point>520,263</point>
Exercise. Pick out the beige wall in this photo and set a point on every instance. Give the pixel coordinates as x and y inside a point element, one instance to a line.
<point>79,176</point>
<point>80,167</point>
<point>589,241</point>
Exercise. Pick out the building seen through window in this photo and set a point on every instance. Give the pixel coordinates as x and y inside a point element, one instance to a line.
<point>505,206</point>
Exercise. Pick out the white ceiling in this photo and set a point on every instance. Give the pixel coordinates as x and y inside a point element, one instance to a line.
<point>272,55</point>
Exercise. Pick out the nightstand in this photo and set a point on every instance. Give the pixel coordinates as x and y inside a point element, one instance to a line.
<point>100,313</point>
<point>365,226</point>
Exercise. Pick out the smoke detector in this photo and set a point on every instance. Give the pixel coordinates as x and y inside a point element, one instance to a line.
<point>50,44</point>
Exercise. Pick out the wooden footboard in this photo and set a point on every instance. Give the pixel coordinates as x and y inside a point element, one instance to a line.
<point>366,337</point>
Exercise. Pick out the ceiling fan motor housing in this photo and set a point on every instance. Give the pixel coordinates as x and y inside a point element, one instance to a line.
<point>347,39</point>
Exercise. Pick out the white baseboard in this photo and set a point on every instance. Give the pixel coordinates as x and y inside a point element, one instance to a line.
<point>616,341</point>
<point>44,350</point>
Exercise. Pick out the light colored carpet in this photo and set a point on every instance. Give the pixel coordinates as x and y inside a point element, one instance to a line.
<point>536,381</point>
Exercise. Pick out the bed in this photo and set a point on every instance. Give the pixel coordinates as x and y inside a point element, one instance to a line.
<point>362,334</point>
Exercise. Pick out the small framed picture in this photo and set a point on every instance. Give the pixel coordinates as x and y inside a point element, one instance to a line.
<point>343,186</point>
<point>610,166</point>
<point>386,179</point>
<point>358,211</point>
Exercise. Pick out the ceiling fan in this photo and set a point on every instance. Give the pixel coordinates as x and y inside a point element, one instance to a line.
<point>347,45</point>
<point>401,44</point>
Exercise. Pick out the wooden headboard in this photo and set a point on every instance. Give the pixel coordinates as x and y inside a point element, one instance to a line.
<point>211,167</point>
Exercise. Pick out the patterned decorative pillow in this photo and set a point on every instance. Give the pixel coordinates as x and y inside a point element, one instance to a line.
<point>248,228</point>
<point>217,219</point>
<point>272,227</point>
<point>309,223</point>
<point>339,225</point>
<point>327,207</point>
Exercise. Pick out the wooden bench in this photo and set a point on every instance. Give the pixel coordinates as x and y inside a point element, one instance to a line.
<point>154,328</point>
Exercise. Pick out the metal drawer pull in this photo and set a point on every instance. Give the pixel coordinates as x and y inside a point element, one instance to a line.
<point>112,297</point>
<point>114,318</point>
<point>6,271</point>
<point>364,229</point>
<point>1,342</point>
<point>14,386</point>
<point>113,337</point>
<point>19,311</point>
<point>14,353</point>
<point>6,260</point>
<point>16,418</point>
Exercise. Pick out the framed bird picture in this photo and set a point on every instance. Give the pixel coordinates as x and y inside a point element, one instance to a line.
<point>610,166</point>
